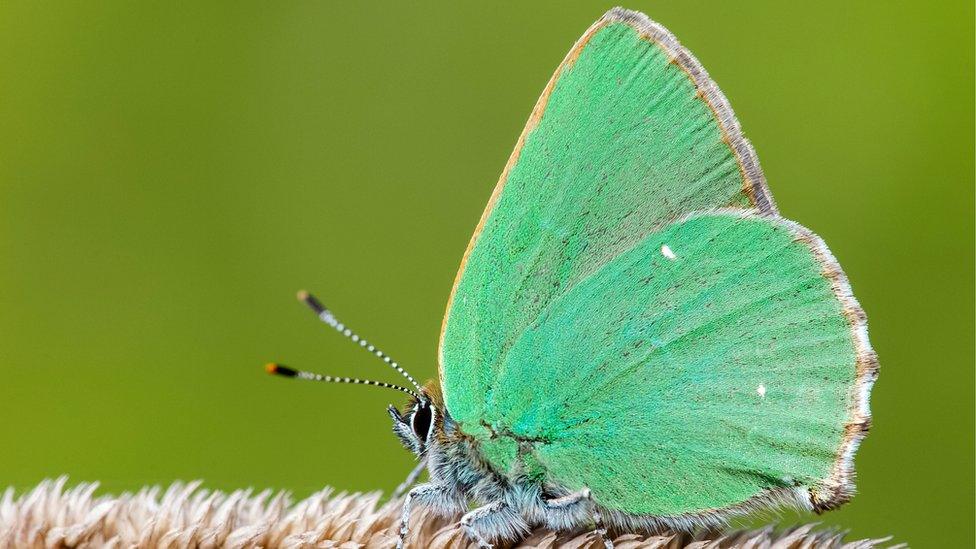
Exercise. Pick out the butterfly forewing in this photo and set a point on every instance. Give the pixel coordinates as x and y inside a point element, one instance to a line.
<point>629,134</point>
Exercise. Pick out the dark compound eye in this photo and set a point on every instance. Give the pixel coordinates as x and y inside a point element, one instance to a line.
<point>421,421</point>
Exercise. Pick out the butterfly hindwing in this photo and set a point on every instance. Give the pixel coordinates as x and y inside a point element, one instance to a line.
<point>718,360</point>
<point>629,133</point>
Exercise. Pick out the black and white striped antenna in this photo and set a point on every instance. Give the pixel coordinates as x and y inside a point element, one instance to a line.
<point>285,371</point>
<point>325,315</point>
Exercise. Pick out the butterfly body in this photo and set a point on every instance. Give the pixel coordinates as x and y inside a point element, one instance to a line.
<point>635,338</point>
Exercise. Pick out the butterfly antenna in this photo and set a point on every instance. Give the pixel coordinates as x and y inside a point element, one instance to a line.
<point>285,371</point>
<point>326,316</point>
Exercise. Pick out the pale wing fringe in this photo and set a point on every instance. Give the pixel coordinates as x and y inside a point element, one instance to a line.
<point>186,515</point>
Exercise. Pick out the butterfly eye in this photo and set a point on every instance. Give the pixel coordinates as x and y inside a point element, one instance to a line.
<point>421,421</point>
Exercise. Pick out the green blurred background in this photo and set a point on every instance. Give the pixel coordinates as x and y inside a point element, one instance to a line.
<point>170,175</point>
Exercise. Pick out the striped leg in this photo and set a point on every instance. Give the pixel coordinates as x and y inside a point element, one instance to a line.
<point>441,498</point>
<point>497,520</point>
<point>576,504</point>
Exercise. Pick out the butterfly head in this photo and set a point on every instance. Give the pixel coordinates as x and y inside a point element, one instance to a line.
<point>417,424</point>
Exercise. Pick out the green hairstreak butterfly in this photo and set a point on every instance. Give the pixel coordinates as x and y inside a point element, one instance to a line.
<point>635,338</point>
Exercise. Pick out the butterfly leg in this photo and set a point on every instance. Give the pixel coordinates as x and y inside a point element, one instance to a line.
<point>442,498</point>
<point>495,520</point>
<point>411,479</point>
<point>574,505</point>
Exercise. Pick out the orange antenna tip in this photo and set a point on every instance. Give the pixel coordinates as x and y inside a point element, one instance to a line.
<point>312,303</point>
<point>281,370</point>
<point>278,369</point>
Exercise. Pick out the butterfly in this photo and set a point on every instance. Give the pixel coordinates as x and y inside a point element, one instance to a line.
<point>635,339</point>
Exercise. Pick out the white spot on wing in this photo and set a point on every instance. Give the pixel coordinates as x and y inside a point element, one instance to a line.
<point>761,391</point>
<point>666,252</point>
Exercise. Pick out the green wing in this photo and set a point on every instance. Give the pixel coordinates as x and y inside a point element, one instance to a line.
<point>629,134</point>
<point>716,362</point>
<point>576,350</point>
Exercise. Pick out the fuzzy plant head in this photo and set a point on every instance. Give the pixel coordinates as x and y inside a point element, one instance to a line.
<point>54,515</point>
